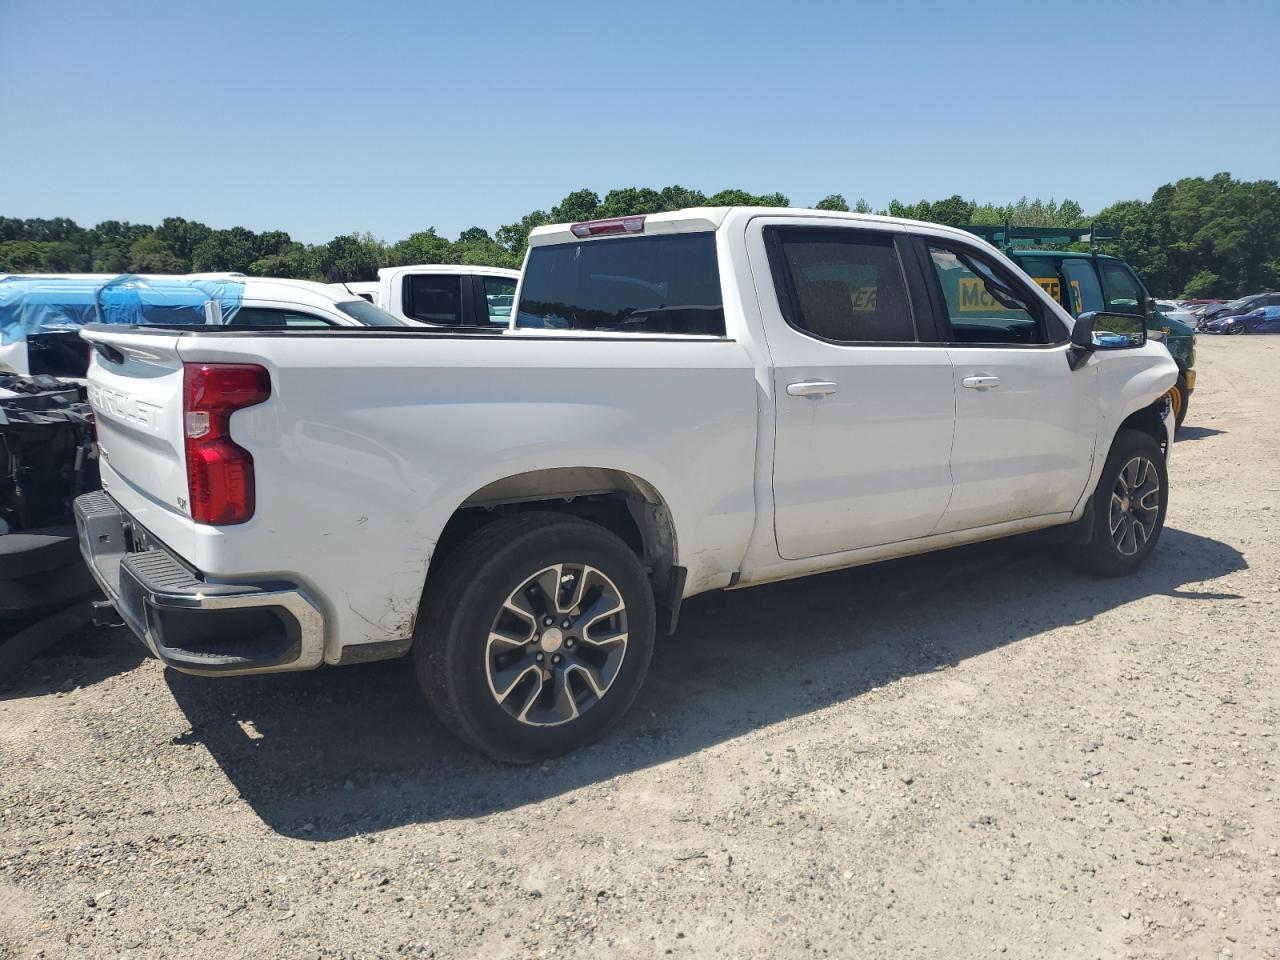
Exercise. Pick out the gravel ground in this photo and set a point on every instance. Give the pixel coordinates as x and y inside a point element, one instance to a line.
<point>968,754</point>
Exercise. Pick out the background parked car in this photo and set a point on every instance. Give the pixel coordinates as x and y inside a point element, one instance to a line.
<point>1234,308</point>
<point>1175,310</point>
<point>445,295</point>
<point>1262,320</point>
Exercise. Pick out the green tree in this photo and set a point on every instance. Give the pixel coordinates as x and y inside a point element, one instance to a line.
<point>1204,284</point>
<point>676,197</point>
<point>181,237</point>
<point>954,211</point>
<point>150,254</point>
<point>425,246</point>
<point>740,198</point>
<point>514,237</point>
<point>832,201</point>
<point>230,250</point>
<point>578,206</point>
<point>629,202</point>
<point>352,256</point>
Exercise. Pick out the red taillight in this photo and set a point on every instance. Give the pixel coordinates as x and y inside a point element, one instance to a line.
<point>600,228</point>
<point>219,471</point>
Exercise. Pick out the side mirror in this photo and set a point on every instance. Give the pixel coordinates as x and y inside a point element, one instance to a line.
<point>1096,330</point>
<point>1082,332</point>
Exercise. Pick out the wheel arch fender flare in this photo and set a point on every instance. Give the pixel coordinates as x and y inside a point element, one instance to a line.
<point>1132,395</point>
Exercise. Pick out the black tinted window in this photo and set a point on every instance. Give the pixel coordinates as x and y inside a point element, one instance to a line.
<point>666,284</point>
<point>1123,292</point>
<point>270,317</point>
<point>843,285</point>
<point>434,299</point>
<point>369,315</point>
<point>1044,271</point>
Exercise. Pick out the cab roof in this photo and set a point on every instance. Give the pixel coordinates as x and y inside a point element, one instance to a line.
<point>697,219</point>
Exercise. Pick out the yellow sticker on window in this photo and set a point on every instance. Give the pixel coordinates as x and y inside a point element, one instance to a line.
<point>1051,286</point>
<point>974,296</point>
<point>863,299</point>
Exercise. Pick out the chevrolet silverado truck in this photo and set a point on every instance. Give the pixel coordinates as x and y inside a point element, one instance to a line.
<point>682,402</point>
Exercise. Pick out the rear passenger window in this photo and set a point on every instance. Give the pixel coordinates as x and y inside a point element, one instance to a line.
<point>434,299</point>
<point>840,285</point>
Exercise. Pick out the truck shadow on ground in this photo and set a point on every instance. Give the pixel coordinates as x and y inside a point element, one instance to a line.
<point>84,657</point>
<point>1197,433</point>
<point>340,752</point>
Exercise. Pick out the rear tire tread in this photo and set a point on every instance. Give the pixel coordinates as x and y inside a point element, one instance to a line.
<point>460,583</point>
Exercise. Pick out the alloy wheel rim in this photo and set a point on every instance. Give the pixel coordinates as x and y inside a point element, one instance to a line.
<point>1135,505</point>
<point>556,644</point>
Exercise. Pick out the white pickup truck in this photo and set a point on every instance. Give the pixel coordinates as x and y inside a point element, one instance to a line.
<point>439,294</point>
<point>683,402</point>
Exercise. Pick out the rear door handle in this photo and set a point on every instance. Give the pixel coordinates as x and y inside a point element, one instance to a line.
<point>812,388</point>
<point>980,383</point>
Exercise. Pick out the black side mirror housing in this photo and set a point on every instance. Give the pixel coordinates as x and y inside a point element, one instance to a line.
<point>1082,332</point>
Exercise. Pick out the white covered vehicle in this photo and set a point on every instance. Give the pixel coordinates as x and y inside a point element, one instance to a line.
<point>683,402</point>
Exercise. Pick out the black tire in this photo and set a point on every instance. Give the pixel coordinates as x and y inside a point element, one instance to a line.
<point>1103,555</point>
<point>1236,329</point>
<point>453,650</point>
<point>1183,396</point>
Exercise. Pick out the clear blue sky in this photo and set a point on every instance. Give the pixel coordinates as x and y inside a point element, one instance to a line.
<point>322,118</point>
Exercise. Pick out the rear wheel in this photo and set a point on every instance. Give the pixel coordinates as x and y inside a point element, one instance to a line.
<point>1128,506</point>
<point>536,636</point>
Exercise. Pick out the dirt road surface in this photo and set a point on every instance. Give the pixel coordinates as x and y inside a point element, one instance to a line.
<point>976,753</point>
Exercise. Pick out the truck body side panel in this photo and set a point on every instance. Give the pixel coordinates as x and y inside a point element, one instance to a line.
<point>368,445</point>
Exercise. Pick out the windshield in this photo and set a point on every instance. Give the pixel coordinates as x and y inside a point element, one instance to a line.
<point>368,315</point>
<point>661,285</point>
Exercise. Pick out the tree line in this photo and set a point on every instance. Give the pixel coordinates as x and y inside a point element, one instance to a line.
<point>1195,238</point>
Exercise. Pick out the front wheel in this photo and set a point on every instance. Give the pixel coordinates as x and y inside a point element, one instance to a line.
<point>1235,329</point>
<point>1128,506</point>
<point>536,636</point>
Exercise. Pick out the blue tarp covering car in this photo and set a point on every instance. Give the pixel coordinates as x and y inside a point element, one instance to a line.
<point>34,309</point>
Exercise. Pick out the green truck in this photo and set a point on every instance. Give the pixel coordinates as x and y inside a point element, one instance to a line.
<point>1084,281</point>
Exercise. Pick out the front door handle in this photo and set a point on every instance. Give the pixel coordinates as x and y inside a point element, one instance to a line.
<point>980,383</point>
<point>812,388</point>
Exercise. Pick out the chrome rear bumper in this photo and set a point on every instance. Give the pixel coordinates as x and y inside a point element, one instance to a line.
<point>192,625</point>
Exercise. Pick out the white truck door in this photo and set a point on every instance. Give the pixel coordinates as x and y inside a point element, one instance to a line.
<point>1025,421</point>
<point>864,399</point>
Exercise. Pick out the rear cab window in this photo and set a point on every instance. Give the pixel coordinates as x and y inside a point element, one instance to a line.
<point>667,285</point>
<point>841,285</point>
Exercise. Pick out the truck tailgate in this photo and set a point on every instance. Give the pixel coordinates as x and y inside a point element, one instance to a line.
<point>135,386</point>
